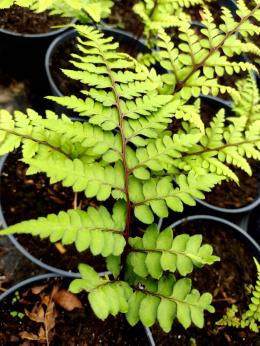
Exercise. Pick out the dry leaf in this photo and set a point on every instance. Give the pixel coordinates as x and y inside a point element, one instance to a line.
<point>50,316</point>
<point>67,300</point>
<point>36,316</point>
<point>29,336</point>
<point>35,290</point>
<point>60,248</point>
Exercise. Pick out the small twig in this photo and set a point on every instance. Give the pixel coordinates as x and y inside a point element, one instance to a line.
<point>75,202</point>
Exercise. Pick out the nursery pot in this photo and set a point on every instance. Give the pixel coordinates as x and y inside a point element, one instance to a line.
<point>80,324</point>
<point>22,56</point>
<point>224,279</point>
<point>123,38</point>
<point>251,223</point>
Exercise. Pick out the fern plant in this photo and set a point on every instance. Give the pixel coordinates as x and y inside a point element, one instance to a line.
<point>157,14</point>
<point>86,11</point>
<point>251,317</point>
<point>124,150</point>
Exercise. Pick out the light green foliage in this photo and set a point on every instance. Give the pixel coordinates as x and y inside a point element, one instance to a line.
<point>230,319</point>
<point>251,316</point>
<point>105,297</point>
<point>157,252</point>
<point>223,145</point>
<point>85,11</point>
<point>201,57</point>
<point>162,300</point>
<point>161,14</point>
<point>124,152</point>
<point>94,229</point>
<point>248,104</point>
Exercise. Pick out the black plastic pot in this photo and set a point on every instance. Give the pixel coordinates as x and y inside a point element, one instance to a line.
<point>251,223</point>
<point>120,36</point>
<point>22,56</point>
<point>139,329</point>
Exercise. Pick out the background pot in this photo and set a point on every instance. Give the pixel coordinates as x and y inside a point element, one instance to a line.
<point>120,36</point>
<point>22,55</point>
<point>131,334</point>
<point>251,223</point>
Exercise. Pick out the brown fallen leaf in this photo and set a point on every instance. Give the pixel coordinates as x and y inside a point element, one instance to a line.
<point>37,316</point>
<point>67,300</point>
<point>50,316</point>
<point>29,336</point>
<point>35,290</point>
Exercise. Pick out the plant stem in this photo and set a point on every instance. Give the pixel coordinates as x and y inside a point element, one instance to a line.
<point>124,141</point>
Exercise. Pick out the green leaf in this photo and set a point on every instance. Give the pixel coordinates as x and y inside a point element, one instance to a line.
<point>144,214</point>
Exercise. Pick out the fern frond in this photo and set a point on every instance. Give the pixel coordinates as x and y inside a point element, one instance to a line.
<point>252,316</point>
<point>230,319</point>
<point>105,296</point>
<point>92,138</point>
<point>162,151</point>
<point>159,195</point>
<point>28,131</point>
<point>165,300</point>
<point>67,8</point>
<point>248,104</point>
<point>94,179</point>
<point>107,117</point>
<point>157,252</point>
<point>94,229</point>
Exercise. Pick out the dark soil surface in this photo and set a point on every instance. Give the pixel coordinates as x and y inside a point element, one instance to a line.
<point>24,21</point>
<point>123,17</point>
<point>230,195</point>
<point>77,327</point>
<point>225,281</point>
<point>196,12</point>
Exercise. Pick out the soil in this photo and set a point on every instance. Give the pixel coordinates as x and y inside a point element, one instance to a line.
<point>123,17</point>
<point>77,327</point>
<point>26,197</point>
<point>196,12</point>
<point>230,195</point>
<point>225,281</point>
<point>24,21</point>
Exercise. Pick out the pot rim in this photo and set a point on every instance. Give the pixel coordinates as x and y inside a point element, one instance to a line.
<point>25,252</point>
<point>46,34</point>
<point>28,281</point>
<point>220,220</point>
